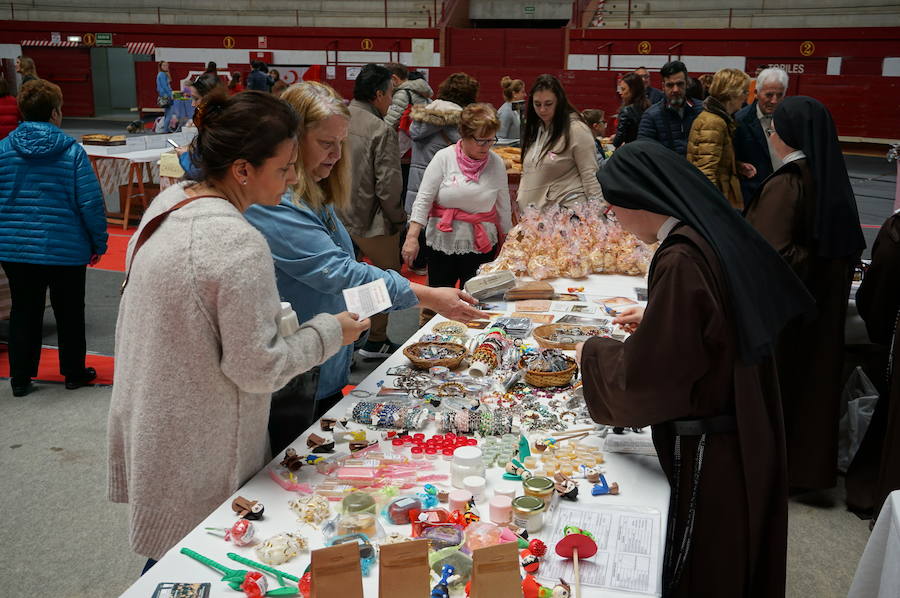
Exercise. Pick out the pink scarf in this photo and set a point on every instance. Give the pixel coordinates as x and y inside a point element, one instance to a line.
<point>470,167</point>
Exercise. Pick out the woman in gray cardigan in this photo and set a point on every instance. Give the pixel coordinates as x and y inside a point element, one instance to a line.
<point>200,339</point>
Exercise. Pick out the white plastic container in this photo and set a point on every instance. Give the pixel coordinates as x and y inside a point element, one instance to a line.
<point>467,461</point>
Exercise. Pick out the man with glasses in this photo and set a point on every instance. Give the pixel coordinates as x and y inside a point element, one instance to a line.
<point>653,94</point>
<point>669,122</point>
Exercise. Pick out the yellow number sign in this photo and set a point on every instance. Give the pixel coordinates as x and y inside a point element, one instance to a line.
<point>228,42</point>
<point>644,47</point>
<point>807,48</point>
<point>88,39</point>
<point>367,44</point>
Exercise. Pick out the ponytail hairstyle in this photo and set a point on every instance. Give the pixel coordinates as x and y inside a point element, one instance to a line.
<point>248,126</point>
<point>511,87</point>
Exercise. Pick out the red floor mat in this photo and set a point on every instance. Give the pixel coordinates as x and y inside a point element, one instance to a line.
<point>48,371</point>
<point>116,248</point>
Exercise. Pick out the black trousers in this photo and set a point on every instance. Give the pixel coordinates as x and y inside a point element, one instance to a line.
<point>445,270</point>
<point>28,285</point>
<point>294,409</point>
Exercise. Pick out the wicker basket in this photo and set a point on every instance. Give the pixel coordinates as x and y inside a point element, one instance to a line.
<point>412,351</point>
<point>541,334</point>
<point>550,379</point>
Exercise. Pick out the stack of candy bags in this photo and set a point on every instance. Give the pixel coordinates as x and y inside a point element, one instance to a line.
<point>570,242</point>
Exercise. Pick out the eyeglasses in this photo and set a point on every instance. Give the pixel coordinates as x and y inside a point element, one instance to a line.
<point>484,142</point>
<point>610,215</point>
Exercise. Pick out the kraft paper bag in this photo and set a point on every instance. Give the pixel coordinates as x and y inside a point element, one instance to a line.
<point>495,572</point>
<point>336,572</point>
<point>403,570</point>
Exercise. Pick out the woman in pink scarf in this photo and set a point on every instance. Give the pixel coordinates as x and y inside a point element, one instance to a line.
<point>463,202</point>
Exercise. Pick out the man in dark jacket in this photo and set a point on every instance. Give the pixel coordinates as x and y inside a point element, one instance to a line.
<point>669,122</point>
<point>755,158</point>
<point>257,78</point>
<point>653,94</point>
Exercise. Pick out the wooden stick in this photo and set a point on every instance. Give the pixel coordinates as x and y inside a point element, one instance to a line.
<point>577,576</point>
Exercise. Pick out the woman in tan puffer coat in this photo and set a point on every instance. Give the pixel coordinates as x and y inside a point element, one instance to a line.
<point>710,145</point>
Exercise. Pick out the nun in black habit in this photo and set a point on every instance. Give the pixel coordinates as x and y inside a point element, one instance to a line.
<point>698,369</point>
<point>807,211</point>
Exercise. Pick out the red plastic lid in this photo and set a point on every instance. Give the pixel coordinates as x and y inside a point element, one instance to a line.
<point>397,442</point>
<point>430,451</point>
<point>471,441</point>
<point>447,452</point>
<point>419,436</point>
<point>416,450</point>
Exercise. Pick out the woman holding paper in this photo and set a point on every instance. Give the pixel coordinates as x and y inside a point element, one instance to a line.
<point>314,258</point>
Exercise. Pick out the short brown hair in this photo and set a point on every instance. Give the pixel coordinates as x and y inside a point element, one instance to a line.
<point>728,84</point>
<point>478,118</point>
<point>459,88</point>
<point>397,69</point>
<point>37,99</point>
<point>592,116</point>
<point>511,87</point>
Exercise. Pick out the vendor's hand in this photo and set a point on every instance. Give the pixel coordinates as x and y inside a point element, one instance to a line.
<point>410,250</point>
<point>453,304</point>
<point>181,150</point>
<point>746,169</point>
<point>629,318</point>
<point>351,327</point>
<point>579,347</point>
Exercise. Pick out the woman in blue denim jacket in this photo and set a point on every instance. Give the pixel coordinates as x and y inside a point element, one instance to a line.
<point>314,257</point>
<point>164,92</point>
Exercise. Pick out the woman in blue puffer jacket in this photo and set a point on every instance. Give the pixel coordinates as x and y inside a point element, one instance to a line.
<point>52,224</point>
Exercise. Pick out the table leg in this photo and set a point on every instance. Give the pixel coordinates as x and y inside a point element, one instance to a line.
<point>131,173</point>
<point>144,202</point>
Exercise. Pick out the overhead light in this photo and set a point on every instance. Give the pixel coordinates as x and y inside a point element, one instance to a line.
<point>73,38</point>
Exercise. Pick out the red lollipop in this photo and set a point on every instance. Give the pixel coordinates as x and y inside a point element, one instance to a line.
<point>576,543</point>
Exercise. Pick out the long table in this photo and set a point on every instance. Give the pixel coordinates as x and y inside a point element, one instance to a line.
<point>640,479</point>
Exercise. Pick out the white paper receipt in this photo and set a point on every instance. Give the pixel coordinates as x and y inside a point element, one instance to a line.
<point>368,299</point>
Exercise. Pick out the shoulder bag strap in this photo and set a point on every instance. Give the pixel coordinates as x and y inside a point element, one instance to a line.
<point>151,227</point>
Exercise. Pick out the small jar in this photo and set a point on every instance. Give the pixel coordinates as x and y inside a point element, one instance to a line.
<point>539,487</point>
<point>475,484</point>
<point>447,454</point>
<point>459,499</point>
<point>507,489</point>
<point>500,509</point>
<point>530,462</point>
<point>357,523</point>
<point>397,445</point>
<point>528,513</point>
<point>467,461</point>
<point>417,452</point>
<point>358,502</point>
<point>431,454</point>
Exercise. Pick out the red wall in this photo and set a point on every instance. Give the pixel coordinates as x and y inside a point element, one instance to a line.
<point>70,68</point>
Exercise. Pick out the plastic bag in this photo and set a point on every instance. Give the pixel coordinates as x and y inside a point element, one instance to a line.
<point>860,397</point>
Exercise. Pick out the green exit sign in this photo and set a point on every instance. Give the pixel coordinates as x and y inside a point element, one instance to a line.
<point>103,39</point>
<point>529,10</point>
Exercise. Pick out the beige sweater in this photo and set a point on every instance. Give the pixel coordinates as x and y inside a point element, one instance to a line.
<point>197,355</point>
<point>562,175</point>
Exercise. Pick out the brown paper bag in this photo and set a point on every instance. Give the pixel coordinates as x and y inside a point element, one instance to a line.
<point>403,570</point>
<point>495,572</point>
<point>336,572</point>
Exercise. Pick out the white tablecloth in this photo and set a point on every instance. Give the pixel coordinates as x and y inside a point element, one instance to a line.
<point>878,573</point>
<point>640,478</point>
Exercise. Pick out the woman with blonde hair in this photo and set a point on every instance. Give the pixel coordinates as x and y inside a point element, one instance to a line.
<point>710,146</point>
<point>25,67</point>
<point>510,118</point>
<point>314,257</point>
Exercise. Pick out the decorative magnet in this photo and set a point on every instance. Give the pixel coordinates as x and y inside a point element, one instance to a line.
<point>532,589</point>
<point>327,424</point>
<point>530,557</point>
<point>239,534</point>
<point>602,487</point>
<point>442,589</point>
<point>292,460</point>
<point>592,475</point>
<point>566,486</point>
<point>248,509</point>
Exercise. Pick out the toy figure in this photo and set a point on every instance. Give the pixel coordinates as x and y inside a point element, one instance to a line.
<point>530,557</point>
<point>602,487</point>
<point>442,589</point>
<point>248,509</point>
<point>516,471</point>
<point>292,460</point>
<point>566,486</point>
<point>592,475</point>
<point>532,589</point>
